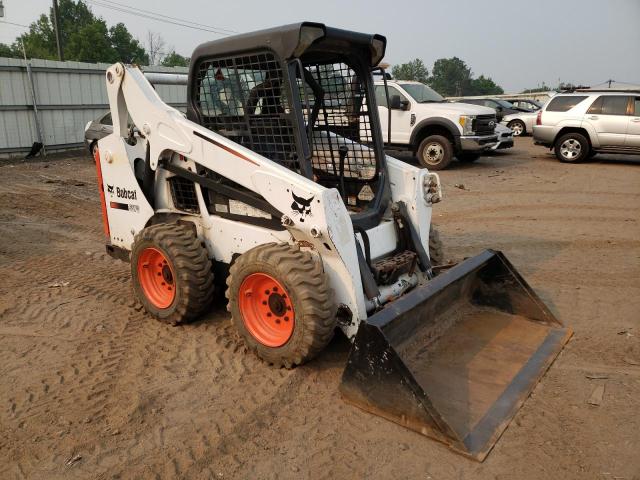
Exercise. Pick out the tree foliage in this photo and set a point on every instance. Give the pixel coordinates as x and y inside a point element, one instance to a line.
<point>84,37</point>
<point>9,51</point>
<point>484,86</point>
<point>173,59</point>
<point>413,70</point>
<point>449,77</point>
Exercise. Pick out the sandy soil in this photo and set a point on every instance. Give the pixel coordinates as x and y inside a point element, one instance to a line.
<point>90,387</point>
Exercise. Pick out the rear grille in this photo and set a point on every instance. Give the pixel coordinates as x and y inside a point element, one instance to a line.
<point>184,196</point>
<point>484,124</point>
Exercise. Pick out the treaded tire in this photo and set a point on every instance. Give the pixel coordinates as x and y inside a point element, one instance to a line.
<point>432,141</point>
<point>436,249</point>
<point>191,267</point>
<point>523,128</point>
<point>584,151</point>
<point>307,287</point>
<point>468,157</point>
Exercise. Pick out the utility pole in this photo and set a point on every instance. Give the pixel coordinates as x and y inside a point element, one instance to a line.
<point>56,26</point>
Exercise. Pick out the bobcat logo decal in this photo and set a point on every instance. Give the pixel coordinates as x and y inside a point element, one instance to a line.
<point>301,206</point>
<point>109,188</point>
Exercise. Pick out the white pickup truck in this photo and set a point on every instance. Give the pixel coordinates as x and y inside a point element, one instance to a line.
<point>435,130</point>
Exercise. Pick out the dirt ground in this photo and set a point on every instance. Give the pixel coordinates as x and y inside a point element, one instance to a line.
<point>90,387</point>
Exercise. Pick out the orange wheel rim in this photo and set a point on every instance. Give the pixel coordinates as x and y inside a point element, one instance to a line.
<point>266,309</point>
<point>156,277</point>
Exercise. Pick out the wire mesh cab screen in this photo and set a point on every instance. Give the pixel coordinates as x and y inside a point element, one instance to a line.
<point>250,100</point>
<point>245,99</point>
<point>343,155</point>
<point>342,122</point>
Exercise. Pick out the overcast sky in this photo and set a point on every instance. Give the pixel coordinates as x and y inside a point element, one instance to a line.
<point>518,44</point>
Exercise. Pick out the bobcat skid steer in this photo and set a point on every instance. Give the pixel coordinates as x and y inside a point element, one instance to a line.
<point>277,180</point>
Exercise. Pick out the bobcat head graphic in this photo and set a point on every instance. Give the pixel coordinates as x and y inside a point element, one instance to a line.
<point>301,206</point>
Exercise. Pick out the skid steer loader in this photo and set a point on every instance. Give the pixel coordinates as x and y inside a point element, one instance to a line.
<point>277,180</point>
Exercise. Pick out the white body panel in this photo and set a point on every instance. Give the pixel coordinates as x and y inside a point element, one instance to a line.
<point>326,228</point>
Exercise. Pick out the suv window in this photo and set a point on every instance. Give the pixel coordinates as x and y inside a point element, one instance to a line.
<point>564,103</point>
<point>381,98</point>
<point>610,105</point>
<point>637,107</point>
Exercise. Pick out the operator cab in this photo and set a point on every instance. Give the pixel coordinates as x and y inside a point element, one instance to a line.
<point>299,95</point>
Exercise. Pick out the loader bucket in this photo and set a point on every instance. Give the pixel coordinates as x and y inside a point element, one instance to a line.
<point>456,358</point>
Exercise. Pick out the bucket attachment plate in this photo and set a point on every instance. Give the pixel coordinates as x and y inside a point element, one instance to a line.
<point>456,358</point>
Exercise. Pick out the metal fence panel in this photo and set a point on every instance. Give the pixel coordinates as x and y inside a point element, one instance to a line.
<point>68,95</point>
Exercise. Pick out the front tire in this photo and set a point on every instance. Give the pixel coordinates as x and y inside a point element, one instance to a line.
<point>517,127</point>
<point>281,303</point>
<point>435,152</point>
<point>572,148</point>
<point>171,273</point>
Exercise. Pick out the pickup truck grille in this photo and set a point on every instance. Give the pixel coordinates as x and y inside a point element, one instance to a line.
<point>484,125</point>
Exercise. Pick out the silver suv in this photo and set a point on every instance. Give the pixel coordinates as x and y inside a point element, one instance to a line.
<point>579,125</point>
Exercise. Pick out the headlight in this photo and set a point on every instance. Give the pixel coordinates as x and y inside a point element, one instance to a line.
<point>431,188</point>
<point>466,122</point>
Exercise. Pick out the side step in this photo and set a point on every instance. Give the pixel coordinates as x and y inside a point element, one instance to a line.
<point>455,359</point>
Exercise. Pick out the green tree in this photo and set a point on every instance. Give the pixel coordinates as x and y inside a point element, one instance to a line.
<point>450,77</point>
<point>40,40</point>
<point>90,43</point>
<point>483,86</point>
<point>127,48</point>
<point>174,59</point>
<point>413,70</point>
<point>9,51</point>
<point>84,37</point>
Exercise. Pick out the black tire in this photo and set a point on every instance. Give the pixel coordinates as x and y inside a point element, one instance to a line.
<point>191,271</point>
<point>572,148</point>
<point>468,157</point>
<point>436,249</point>
<point>435,152</point>
<point>518,128</point>
<point>93,148</point>
<point>307,287</point>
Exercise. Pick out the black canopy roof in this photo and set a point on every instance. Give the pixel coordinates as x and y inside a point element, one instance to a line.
<point>306,39</point>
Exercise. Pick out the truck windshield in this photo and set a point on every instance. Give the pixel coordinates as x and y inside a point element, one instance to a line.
<point>421,93</point>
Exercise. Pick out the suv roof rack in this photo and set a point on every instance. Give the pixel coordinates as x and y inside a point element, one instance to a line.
<point>605,90</point>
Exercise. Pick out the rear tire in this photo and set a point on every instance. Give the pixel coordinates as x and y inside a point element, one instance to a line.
<point>468,157</point>
<point>572,148</point>
<point>435,152</point>
<point>281,303</point>
<point>517,127</point>
<point>171,273</point>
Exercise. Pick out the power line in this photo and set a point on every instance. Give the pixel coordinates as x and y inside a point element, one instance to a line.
<point>156,18</point>
<point>182,20</point>
<point>14,24</point>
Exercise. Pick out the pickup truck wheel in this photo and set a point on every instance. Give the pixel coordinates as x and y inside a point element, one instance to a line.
<point>517,127</point>
<point>435,152</point>
<point>468,157</point>
<point>572,148</point>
